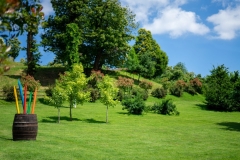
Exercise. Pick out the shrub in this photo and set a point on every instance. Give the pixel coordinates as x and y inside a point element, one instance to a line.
<point>145,85</point>
<point>96,76</point>
<point>134,104</point>
<point>94,94</point>
<point>31,83</point>
<point>47,100</point>
<point>125,83</point>
<point>166,107</point>
<point>196,84</point>
<point>49,91</point>
<point>120,94</point>
<point>178,88</point>
<point>159,93</point>
<point>140,92</point>
<point>190,90</point>
<point>8,92</point>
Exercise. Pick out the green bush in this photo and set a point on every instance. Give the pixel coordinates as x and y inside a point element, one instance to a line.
<point>140,92</point>
<point>120,94</point>
<point>134,104</point>
<point>176,91</point>
<point>178,88</point>
<point>159,93</point>
<point>146,85</point>
<point>166,107</point>
<point>94,94</point>
<point>190,90</point>
<point>49,91</point>
<point>47,100</point>
<point>8,93</point>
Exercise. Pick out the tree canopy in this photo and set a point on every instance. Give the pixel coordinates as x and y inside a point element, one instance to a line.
<point>106,29</point>
<point>146,43</point>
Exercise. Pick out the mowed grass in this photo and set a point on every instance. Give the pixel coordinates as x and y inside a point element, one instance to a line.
<point>195,134</point>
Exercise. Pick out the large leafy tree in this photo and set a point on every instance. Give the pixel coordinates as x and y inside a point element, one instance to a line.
<point>146,43</point>
<point>31,16</point>
<point>26,17</point>
<point>219,89</point>
<point>105,25</point>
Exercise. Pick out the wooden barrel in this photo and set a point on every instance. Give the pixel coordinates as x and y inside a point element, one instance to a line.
<point>25,127</point>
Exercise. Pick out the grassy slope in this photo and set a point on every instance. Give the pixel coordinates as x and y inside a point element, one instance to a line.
<point>195,134</point>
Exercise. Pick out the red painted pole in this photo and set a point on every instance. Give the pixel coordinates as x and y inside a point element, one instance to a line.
<point>25,99</point>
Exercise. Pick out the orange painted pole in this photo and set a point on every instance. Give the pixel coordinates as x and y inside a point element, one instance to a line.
<point>16,99</point>
<point>34,100</point>
<point>25,99</point>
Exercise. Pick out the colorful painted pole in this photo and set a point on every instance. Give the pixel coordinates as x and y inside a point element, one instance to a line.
<point>34,100</point>
<point>21,91</point>
<point>16,99</point>
<point>29,103</point>
<point>25,99</point>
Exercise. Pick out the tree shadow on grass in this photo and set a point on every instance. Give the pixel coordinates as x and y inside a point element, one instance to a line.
<point>202,106</point>
<point>4,138</point>
<point>14,76</point>
<point>230,126</point>
<point>54,119</point>
<point>124,113</point>
<point>91,120</point>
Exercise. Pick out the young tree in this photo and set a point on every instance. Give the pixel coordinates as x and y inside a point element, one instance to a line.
<point>71,86</point>
<point>106,29</point>
<point>108,93</point>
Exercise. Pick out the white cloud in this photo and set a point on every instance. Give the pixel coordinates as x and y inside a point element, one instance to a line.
<point>47,7</point>
<point>226,23</point>
<point>176,22</point>
<point>144,8</point>
<point>166,17</point>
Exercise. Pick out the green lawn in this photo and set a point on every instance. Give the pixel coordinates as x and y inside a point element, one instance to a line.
<point>195,134</point>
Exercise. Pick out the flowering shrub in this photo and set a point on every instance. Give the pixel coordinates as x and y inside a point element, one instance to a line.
<point>31,83</point>
<point>178,88</point>
<point>196,84</point>
<point>95,77</point>
<point>125,83</point>
<point>146,85</point>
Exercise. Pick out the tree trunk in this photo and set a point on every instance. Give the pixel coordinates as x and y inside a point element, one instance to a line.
<point>107,115</point>
<point>70,110</point>
<point>58,114</point>
<point>97,61</point>
<point>30,58</point>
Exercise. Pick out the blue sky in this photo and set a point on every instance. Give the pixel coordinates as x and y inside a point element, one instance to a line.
<point>200,34</point>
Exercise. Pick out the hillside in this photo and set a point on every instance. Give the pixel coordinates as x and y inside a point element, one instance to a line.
<point>47,75</point>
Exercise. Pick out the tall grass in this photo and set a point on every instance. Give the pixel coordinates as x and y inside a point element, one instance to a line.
<point>195,134</point>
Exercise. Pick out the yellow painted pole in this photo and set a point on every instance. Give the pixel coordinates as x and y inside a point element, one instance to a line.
<point>16,99</point>
<point>34,101</point>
